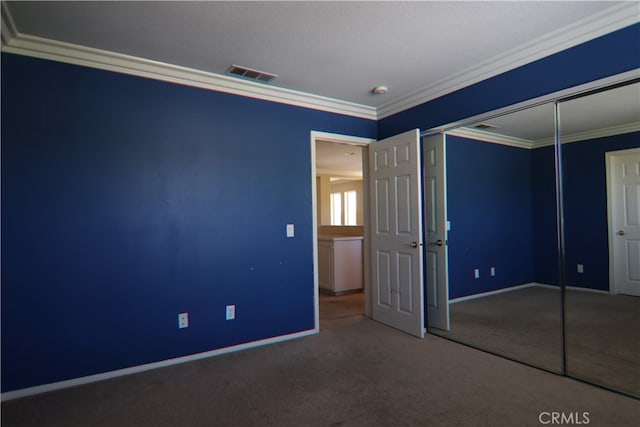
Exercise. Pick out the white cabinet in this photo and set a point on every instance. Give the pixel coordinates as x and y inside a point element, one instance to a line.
<point>340,264</point>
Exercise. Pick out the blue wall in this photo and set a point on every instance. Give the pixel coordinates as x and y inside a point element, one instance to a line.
<point>585,208</point>
<point>545,225</point>
<point>608,55</point>
<point>502,208</point>
<point>126,201</point>
<point>489,205</point>
<point>585,211</point>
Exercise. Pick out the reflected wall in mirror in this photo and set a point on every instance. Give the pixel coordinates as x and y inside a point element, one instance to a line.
<point>504,284</point>
<point>600,136</point>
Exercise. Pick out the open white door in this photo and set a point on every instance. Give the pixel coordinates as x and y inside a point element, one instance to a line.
<point>624,220</point>
<point>396,233</point>
<point>436,232</point>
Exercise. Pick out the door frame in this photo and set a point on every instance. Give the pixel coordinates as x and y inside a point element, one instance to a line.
<point>612,210</point>
<point>364,144</point>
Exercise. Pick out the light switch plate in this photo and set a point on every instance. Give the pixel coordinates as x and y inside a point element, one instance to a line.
<point>290,230</point>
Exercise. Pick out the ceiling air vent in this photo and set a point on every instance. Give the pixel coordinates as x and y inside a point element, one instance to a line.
<point>251,74</point>
<point>485,126</point>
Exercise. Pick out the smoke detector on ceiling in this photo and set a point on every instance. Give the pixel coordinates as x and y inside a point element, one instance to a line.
<point>380,90</point>
<point>251,74</point>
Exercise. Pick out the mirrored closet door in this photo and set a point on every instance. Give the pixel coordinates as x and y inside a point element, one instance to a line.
<point>543,210</point>
<point>504,277</point>
<point>600,149</point>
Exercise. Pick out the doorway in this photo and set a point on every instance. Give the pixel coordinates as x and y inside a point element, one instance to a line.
<point>623,190</point>
<point>391,241</point>
<point>340,243</point>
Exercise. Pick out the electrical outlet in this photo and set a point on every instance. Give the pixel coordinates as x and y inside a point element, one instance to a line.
<point>291,232</point>
<point>231,312</point>
<point>493,271</point>
<point>183,320</point>
<point>580,268</point>
<point>476,273</point>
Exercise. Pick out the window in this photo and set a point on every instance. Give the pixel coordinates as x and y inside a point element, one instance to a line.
<point>347,215</point>
<point>350,208</point>
<point>336,208</point>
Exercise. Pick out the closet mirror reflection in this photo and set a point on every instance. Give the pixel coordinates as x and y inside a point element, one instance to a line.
<point>600,150</point>
<point>503,264</point>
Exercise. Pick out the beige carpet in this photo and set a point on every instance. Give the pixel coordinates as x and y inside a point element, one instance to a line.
<point>355,372</point>
<point>603,339</point>
<point>603,332</point>
<point>524,325</point>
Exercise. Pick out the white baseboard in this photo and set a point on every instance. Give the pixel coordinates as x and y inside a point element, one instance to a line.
<point>497,291</point>
<point>574,288</point>
<point>30,391</point>
<point>595,291</point>
<point>544,285</point>
<point>526,285</point>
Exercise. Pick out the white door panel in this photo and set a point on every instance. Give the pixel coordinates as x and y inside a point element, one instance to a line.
<point>437,284</point>
<point>396,250</point>
<point>624,229</point>
<point>383,278</point>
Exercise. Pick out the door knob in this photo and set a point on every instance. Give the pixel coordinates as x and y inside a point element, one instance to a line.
<point>415,245</point>
<point>438,243</point>
<point>620,233</point>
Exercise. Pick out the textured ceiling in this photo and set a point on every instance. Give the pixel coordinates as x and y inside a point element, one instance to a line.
<point>338,159</point>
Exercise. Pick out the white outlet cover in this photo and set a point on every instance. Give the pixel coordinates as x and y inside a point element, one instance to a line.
<point>231,312</point>
<point>476,273</point>
<point>290,230</point>
<point>183,320</point>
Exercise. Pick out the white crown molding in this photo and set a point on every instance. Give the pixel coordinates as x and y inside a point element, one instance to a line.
<point>607,21</point>
<point>8,26</point>
<point>544,99</point>
<point>494,138</point>
<point>43,48</point>
<point>591,134</point>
